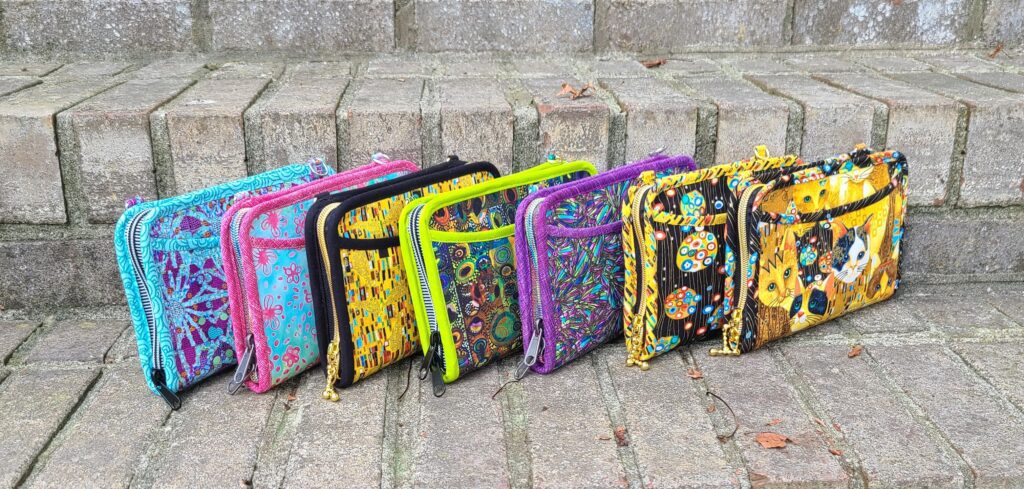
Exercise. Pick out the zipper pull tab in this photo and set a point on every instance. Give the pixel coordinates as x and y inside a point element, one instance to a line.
<point>530,357</point>
<point>169,397</point>
<point>133,201</point>
<point>329,394</point>
<point>761,152</point>
<point>380,158</point>
<point>647,177</point>
<point>730,337</point>
<point>435,364</point>
<point>317,167</point>
<point>428,358</point>
<point>244,366</point>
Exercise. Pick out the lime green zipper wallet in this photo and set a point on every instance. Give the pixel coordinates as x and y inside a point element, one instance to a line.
<point>459,256</point>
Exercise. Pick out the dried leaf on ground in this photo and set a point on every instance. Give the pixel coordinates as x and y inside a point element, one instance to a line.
<point>833,451</point>
<point>620,437</point>
<point>855,351</point>
<point>837,427</point>
<point>995,52</point>
<point>575,93</point>
<point>712,408</point>
<point>654,63</point>
<point>604,438</point>
<point>769,439</point>
<point>774,422</point>
<point>694,373</point>
<point>292,397</point>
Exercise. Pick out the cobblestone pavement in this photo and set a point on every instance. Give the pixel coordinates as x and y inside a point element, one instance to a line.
<point>935,399</point>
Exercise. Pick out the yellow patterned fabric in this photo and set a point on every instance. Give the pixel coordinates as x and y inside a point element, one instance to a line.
<point>380,311</point>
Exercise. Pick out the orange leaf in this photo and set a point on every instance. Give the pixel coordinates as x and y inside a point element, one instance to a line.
<point>774,422</point>
<point>833,451</point>
<point>575,93</point>
<point>711,408</point>
<point>768,439</point>
<point>695,374</point>
<point>654,63</point>
<point>855,351</point>
<point>996,51</point>
<point>620,437</point>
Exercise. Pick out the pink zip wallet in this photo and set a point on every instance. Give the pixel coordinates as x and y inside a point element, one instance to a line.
<point>270,301</point>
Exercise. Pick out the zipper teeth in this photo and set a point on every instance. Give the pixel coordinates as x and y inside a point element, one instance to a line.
<point>417,253</point>
<point>744,249</point>
<point>325,255</point>
<point>639,253</point>
<point>236,225</point>
<point>133,235</point>
<point>531,246</point>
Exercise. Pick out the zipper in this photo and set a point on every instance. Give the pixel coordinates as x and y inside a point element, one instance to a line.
<point>534,346</point>
<point>333,349</point>
<point>731,330</point>
<point>133,238</point>
<point>638,230</point>
<point>245,364</point>
<point>433,361</point>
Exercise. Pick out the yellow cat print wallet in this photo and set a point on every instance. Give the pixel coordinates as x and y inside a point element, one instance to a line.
<point>815,244</point>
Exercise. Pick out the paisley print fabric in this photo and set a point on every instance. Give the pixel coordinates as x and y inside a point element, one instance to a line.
<point>282,278</point>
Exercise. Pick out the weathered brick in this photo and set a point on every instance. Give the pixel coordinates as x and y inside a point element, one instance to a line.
<point>657,117</point>
<point>921,124</point>
<point>670,26</point>
<point>384,116</point>
<point>891,316</point>
<point>688,65</point>
<point>92,27</point>
<point>747,117</point>
<point>12,335</point>
<point>361,412</point>
<point>112,151</point>
<point>31,190</point>
<point>822,63</point>
<point>319,69</point>
<point>304,26</point>
<point>476,122</point>
<point>398,67</point>
<point>834,120</point>
<point>243,70</point>
<point>934,245</point>
<point>572,129</point>
<point>120,411</point>
<point>1004,22</point>
<point>894,449</point>
<point>568,423</point>
<point>850,22</point>
<point>958,62</point>
<point>203,132</point>
<point>519,25</point>
<point>76,341</point>
<point>762,399</point>
<point>987,434</point>
<point>890,64</point>
<point>296,122</point>
<point>30,414</point>
<point>28,68</point>
<point>208,418</point>
<point>172,68</point>
<point>1000,363</point>
<point>958,310</point>
<point>89,69</point>
<point>758,65</point>
<point>1010,82</point>
<point>993,170</point>
<point>85,270</point>
<point>11,84</point>
<point>474,68</point>
<point>619,68</point>
<point>543,68</point>
<point>461,436</point>
<point>125,347</point>
<point>661,457</point>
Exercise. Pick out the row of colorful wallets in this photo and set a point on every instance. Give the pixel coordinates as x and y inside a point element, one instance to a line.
<point>361,269</point>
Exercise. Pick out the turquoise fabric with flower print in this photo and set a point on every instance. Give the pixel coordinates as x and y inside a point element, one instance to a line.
<point>174,279</point>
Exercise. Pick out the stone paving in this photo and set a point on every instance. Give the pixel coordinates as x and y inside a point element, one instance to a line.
<point>934,399</point>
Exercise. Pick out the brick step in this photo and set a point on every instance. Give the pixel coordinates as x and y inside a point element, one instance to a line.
<point>77,138</point>
<point>133,27</point>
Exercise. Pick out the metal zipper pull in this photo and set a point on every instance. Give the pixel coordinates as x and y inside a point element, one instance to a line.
<point>435,363</point>
<point>332,372</point>
<point>244,366</point>
<point>730,337</point>
<point>317,167</point>
<point>169,397</point>
<point>530,358</point>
